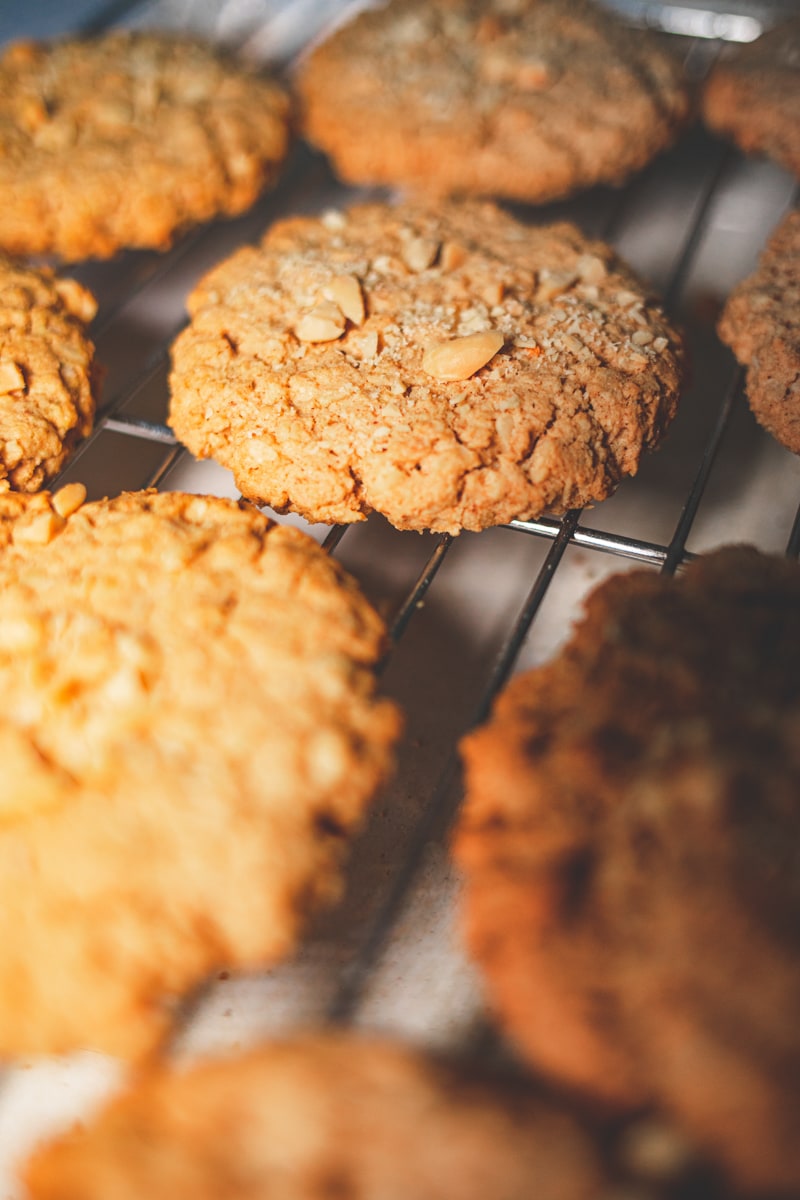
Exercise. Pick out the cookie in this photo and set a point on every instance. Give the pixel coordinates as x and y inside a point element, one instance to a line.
<point>523,100</point>
<point>752,95</point>
<point>629,850</point>
<point>189,736</point>
<point>321,1117</point>
<point>761,323</point>
<point>48,379</point>
<point>450,368</point>
<point>128,138</point>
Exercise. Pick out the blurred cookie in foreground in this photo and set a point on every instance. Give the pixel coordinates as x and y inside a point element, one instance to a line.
<point>449,368</point>
<point>319,1117</point>
<point>528,100</point>
<point>127,138</point>
<point>629,847</point>
<point>761,323</point>
<point>752,95</point>
<point>189,736</point>
<point>48,377</point>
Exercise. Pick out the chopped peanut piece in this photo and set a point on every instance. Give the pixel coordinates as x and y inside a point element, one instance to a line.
<point>345,291</point>
<point>552,284</point>
<point>418,253</point>
<point>68,499</point>
<point>40,531</point>
<point>452,256</point>
<point>591,269</point>
<point>77,300</point>
<point>493,293</point>
<point>325,323</point>
<point>11,378</point>
<point>461,357</point>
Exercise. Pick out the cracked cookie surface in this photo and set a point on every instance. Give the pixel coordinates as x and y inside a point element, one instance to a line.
<point>47,376</point>
<point>126,139</point>
<point>761,324</point>
<point>529,101</point>
<point>629,846</point>
<point>318,1117</point>
<point>450,368</point>
<point>752,95</point>
<point>189,736</point>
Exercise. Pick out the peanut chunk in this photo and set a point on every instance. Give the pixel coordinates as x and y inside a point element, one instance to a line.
<point>492,293</point>
<point>325,323</point>
<point>591,269</point>
<point>461,357</point>
<point>69,498</point>
<point>40,531</point>
<point>552,284</point>
<point>418,253</point>
<point>345,291</point>
<point>452,256</point>
<point>76,299</point>
<point>11,377</point>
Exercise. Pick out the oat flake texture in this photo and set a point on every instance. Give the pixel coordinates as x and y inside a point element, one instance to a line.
<point>189,734</point>
<point>48,378</point>
<point>449,368</point>
<point>527,99</point>
<point>752,95</point>
<point>761,324</point>
<point>127,138</point>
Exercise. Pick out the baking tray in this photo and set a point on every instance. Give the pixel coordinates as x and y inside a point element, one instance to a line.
<point>464,612</point>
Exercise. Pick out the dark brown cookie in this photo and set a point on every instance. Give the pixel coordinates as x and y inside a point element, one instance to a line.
<point>753,95</point>
<point>761,323</point>
<point>524,100</point>
<point>322,1118</point>
<point>630,850</point>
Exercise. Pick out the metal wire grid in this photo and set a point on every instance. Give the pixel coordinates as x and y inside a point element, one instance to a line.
<point>562,533</point>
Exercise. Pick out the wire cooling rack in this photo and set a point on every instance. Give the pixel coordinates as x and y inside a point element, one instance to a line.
<point>466,612</point>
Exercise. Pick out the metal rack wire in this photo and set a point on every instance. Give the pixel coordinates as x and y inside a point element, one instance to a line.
<point>133,447</point>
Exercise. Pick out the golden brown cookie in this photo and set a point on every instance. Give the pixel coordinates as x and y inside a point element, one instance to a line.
<point>530,100</point>
<point>629,845</point>
<point>47,375</point>
<point>752,95</point>
<point>127,138</point>
<point>451,369</point>
<point>761,323</point>
<point>322,1118</point>
<point>189,734</point>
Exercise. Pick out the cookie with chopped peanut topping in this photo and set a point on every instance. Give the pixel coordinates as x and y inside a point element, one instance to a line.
<point>761,323</point>
<point>629,848</point>
<point>524,99</point>
<point>752,95</point>
<point>325,1117</point>
<point>127,138</point>
<point>189,735</point>
<point>449,368</point>
<point>48,380</point>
